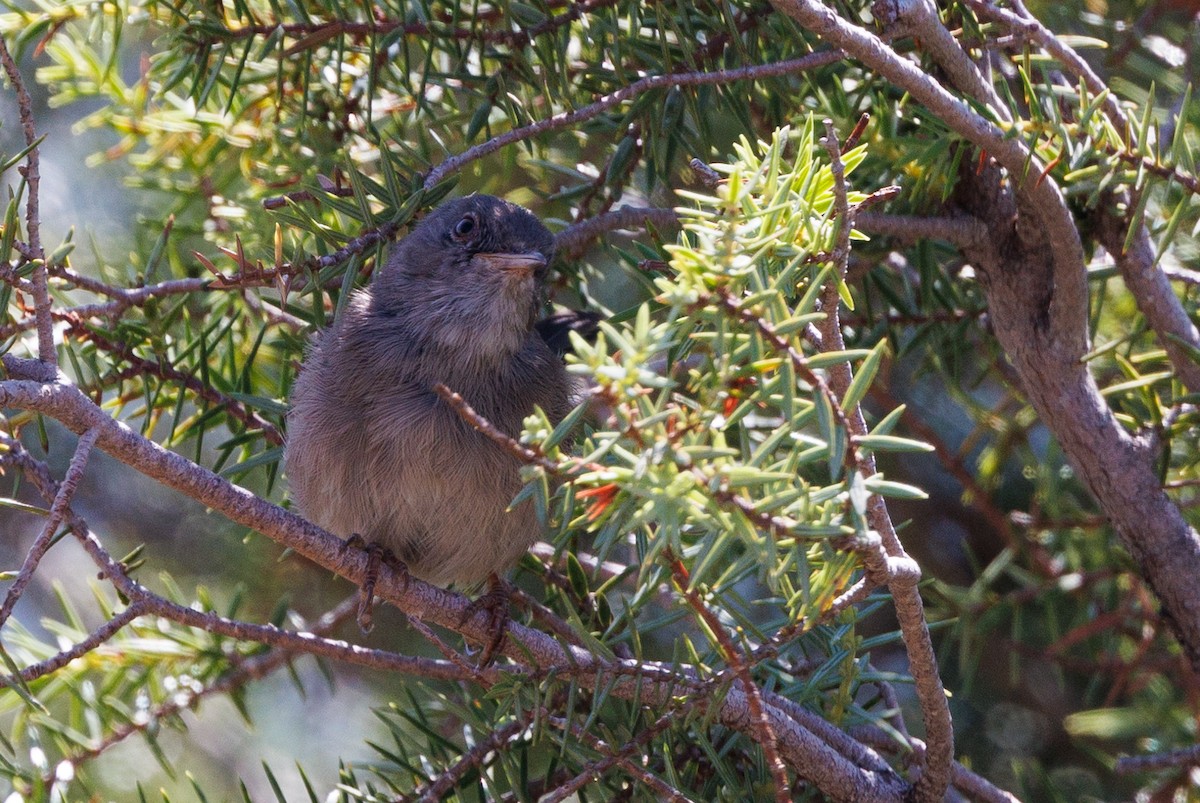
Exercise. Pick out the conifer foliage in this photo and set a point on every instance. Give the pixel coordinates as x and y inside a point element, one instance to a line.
<point>868,272</point>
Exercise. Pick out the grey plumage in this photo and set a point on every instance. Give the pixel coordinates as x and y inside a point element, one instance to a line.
<point>373,450</point>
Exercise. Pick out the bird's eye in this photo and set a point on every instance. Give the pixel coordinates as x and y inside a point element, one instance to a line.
<point>465,228</point>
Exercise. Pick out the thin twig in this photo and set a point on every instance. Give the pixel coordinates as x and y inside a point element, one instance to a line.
<point>546,618</point>
<point>1022,22</point>
<point>274,315</point>
<point>978,787</point>
<point>58,512</point>
<point>605,178</point>
<point>623,757</point>
<point>121,298</point>
<point>799,362</point>
<point>977,497</point>
<point>902,572</point>
<point>9,276</point>
<point>766,735</point>
<point>525,454</point>
<point>856,133</point>
<point>1157,301</point>
<point>854,750</point>
<point>840,257</point>
<point>633,90</point>
<point>244,671</point>
<point>85,646</point>
<point>963,231</point>
<point>451,655</point>
<point>33,220</point>
<point>141,365</point>
<point>504,736</point>
<point>572,240</point>
<point>895,715</point>
<point>1183,757</point>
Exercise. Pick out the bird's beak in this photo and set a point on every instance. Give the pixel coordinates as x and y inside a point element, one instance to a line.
<point>524,264</point>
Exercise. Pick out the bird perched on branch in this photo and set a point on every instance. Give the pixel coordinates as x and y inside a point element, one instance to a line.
<point>375,453</point>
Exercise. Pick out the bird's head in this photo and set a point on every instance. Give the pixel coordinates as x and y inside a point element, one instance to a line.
<point>470,275</point>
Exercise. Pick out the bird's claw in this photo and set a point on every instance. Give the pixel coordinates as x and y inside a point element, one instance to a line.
<point>377,556</point>
<point>495,601</point>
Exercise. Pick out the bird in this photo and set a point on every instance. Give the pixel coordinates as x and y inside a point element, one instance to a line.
<point>375,455</point>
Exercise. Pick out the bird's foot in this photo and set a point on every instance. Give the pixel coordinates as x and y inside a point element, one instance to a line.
<point>377,556</point>
<point>495,601</point>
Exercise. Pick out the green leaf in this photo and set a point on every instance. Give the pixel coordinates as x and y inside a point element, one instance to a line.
<point>893,490</point>
<point>863,377</point>
<point>7,164</point>
<point>891,443</point>
<point>24,507</point>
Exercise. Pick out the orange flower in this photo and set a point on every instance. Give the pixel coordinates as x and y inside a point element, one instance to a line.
<point>601,496</point>
<point>731,404</point>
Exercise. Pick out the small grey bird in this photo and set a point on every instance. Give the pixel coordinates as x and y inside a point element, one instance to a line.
<point>374,451</point>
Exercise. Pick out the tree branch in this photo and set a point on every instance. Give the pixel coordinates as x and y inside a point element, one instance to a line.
<point>572,241</point>
<point>1066,308</point>
<point>1143,277</point>
<point>633,90</point>
<point>910,611</point>
<point>959,230</point>
<point>33,219</point>
<point>809,755</point>
<point>737,663</point>
<point>1155,299</point>
<point>1184,757</point>
<point>919,18</point>
<point>60,504</point>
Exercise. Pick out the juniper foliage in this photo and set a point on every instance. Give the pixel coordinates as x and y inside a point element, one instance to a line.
<point>967,303</point>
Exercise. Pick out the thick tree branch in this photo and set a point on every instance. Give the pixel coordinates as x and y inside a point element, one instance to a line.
<point>1144,278</point>
<point>919,18</point>
<point>1064,312</point>
<point>1116,467</point>
<point>1033,273</point>
<point>812,758</point>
